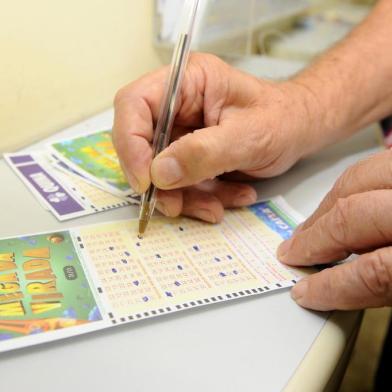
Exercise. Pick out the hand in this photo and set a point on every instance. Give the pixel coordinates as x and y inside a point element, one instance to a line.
<point>355,217</point>
<point>227,121</point>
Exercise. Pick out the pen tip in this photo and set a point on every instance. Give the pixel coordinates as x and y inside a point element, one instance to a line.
<point>142,227</point>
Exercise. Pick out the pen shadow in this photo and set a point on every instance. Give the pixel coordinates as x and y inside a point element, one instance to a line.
<point>133,326</point>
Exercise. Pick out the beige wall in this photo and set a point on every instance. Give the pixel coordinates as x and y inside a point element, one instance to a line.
<point>63,60</point>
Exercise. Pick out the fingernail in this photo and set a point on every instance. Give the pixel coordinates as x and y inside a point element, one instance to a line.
<point>299,290</point>
<point>245,200</point>
<point>133,182</point>
<point>161,207</point>
<point>204,215</point>
<point>284,249</point>
<point>166,171</point>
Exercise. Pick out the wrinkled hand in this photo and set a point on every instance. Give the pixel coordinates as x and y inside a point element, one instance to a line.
<point>355,217</point>
<point>227,121</point>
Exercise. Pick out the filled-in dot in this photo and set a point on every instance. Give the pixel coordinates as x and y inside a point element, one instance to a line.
<point>181,228</point>
<point>235,272</point>
<point>114,270</point>
<point>127,254</point>
<point>217,259</point>
<point>138,244</point>
<point>222,274</point>
<point>158,256</point>
<point>177,283</point>
<point>124,261</point>
<point>136,282</point>
<point>140,237</point>
<point>229,257</point>
<point>145,299</point>
<point>196,248</point>
<point>168,294</point>
<point>180,267</point>
<point>111,248</point>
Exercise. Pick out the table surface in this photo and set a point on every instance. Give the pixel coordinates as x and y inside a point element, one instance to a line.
<point>243,345</point>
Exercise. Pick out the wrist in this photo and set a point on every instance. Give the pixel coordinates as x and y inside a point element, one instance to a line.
<point>311,124</point>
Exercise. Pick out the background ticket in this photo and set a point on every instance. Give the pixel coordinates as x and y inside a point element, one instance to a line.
<point>63,192</point>
<point>56,285</point>
<point>75,177</point>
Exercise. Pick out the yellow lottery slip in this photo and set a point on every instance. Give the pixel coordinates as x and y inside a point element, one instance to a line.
<point>56,285</point>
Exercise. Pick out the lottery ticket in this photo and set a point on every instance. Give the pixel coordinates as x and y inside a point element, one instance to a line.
<point>62,166</point>
<point>56,285</point>
<point>94,157</point>
<point>91,186</point>
<point>65,194</point>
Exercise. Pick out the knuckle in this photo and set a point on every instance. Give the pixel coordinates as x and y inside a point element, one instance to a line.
<point>196,146</point>
<point>350,176</point>
<point>354,177</point>
<point>340,220</point>
<point>330,198</point>
<point>337,190</point>
<point>207,58</point>
<point>376,274</point>
<point>118,98</point>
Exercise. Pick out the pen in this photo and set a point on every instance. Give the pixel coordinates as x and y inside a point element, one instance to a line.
<point>167,114</point>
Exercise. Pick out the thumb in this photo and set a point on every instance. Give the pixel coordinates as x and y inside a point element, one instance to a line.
<point>201,155</point>
<point>363,283</point>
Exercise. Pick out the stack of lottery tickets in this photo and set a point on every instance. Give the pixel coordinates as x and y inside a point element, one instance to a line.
<point>75,177</point>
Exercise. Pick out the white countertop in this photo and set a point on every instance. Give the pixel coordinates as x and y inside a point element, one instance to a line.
<point>246,345</point>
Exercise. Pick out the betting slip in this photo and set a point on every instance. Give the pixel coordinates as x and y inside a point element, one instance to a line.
<point>61,284</point>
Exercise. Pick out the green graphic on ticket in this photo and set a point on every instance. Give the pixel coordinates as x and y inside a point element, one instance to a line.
<point>94,155</point>
<point>42,286</point>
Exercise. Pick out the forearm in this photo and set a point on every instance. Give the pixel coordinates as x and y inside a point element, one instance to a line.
<point>350,86</point>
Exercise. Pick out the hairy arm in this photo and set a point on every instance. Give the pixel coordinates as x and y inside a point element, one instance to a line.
<point>351,84</point>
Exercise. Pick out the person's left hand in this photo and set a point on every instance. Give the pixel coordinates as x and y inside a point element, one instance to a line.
<point>355,217</point>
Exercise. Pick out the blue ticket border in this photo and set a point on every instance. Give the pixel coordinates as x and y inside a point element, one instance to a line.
<point>275,218</point>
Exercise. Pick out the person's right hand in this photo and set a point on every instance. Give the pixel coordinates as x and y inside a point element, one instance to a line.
<point>227,121</point>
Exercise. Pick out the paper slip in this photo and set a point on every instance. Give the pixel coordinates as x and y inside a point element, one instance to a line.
<point>62,166</point>
<point>94,157</point>
<point>66,195</point>
<point>61,284</point>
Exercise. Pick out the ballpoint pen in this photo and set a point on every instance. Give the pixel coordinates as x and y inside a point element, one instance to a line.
<point>168,108</point>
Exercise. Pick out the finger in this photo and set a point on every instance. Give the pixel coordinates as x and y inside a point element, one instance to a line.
<point>357,180</point>
<point>202,155</point>
<point>363,283</point>
<point>202,205</point>
<point>136,109</point>
<point>356,223</point>
<point>135,155</point>
<point>170,203</point>
<point>230,194</point>
<point>137,104</point>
